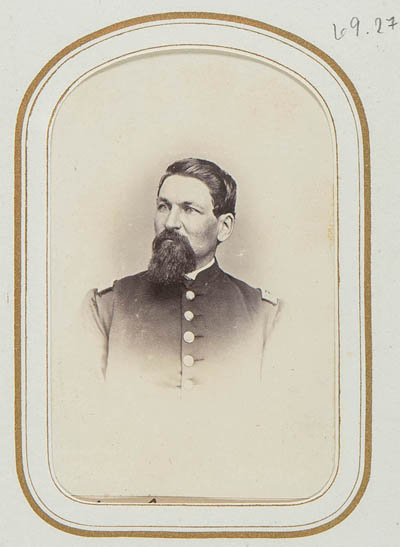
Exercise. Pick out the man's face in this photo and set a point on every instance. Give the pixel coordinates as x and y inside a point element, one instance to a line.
<point>184,204</point>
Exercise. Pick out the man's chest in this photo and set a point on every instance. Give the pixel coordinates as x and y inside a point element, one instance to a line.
<point>186,338</point>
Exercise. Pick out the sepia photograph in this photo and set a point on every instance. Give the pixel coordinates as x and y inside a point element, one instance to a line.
<point>192,283</point>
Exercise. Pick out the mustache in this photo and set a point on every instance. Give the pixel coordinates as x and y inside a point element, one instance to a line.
<point>169,235</point>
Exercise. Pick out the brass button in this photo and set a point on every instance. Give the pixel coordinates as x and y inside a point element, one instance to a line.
<point>188,361</point>
<point>188,336</point>
<point>188,315</point>
<point>190,295</point>
<point>188,384</point>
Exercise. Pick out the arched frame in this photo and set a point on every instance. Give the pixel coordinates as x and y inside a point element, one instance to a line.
<point>188,31</point>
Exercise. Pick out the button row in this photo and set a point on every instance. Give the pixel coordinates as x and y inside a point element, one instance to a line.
<point>188,337</point>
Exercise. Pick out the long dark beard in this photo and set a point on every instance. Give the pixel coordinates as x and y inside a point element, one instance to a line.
<point>172,257</point>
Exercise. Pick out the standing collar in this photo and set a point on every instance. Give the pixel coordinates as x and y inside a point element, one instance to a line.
<point>193,275</point>
<point>204,277</point>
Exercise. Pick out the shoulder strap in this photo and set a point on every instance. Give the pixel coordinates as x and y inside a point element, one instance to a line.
<point>104,291</point>
<point>268,297</point>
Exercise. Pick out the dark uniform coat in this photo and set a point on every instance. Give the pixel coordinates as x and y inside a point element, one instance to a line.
<point>182,408</point>
<point>208,333</point>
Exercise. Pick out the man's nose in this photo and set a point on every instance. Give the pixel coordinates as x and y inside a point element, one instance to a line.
<point>173,220</point>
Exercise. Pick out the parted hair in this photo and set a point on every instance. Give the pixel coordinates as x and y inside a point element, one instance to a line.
<point>221,185</point>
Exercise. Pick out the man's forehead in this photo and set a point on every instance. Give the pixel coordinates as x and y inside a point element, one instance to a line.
<point>178,188</point>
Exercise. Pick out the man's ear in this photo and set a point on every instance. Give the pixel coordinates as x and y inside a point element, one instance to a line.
<point>226,223</point>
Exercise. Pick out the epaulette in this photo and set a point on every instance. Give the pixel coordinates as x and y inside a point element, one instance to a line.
<point>104,291</point>
<point>269,297</point>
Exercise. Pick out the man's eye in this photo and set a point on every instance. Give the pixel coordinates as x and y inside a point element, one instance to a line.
<point>189,209</point>
<point>161,207</point>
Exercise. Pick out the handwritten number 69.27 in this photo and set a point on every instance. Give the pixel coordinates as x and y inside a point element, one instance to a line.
<point>355,24</point>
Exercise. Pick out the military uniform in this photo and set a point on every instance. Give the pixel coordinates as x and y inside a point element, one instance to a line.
<point>202,334</point>
<point>182,410</point>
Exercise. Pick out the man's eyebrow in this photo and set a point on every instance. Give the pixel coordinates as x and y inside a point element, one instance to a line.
<point>164,200</point>
<point>190,203</point>
<point>182,203</point>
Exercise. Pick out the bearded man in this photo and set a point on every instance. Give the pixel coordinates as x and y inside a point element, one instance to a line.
<point>184,324</point>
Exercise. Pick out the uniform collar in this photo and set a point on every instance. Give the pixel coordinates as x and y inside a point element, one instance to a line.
<point>194,274</point>
<point>204,277</point>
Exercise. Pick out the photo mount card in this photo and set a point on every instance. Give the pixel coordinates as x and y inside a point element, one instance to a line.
<point>122,446</point>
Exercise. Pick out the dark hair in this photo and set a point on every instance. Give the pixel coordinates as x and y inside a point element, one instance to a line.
<point>221,185</point>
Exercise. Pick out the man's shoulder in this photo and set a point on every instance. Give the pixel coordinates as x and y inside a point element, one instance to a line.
<point>249,292</point>
<point>132,280</point>
<point>123,284</point>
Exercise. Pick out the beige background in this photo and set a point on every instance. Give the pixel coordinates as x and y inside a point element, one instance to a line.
<point>112,139</point>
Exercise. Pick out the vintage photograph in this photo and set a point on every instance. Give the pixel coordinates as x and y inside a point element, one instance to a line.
<point>192,283</point>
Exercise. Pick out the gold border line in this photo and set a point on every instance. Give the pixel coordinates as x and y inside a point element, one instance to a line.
<point>367,276</point>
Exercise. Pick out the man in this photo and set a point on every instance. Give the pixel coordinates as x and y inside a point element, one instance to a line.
<point>184,324</point>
